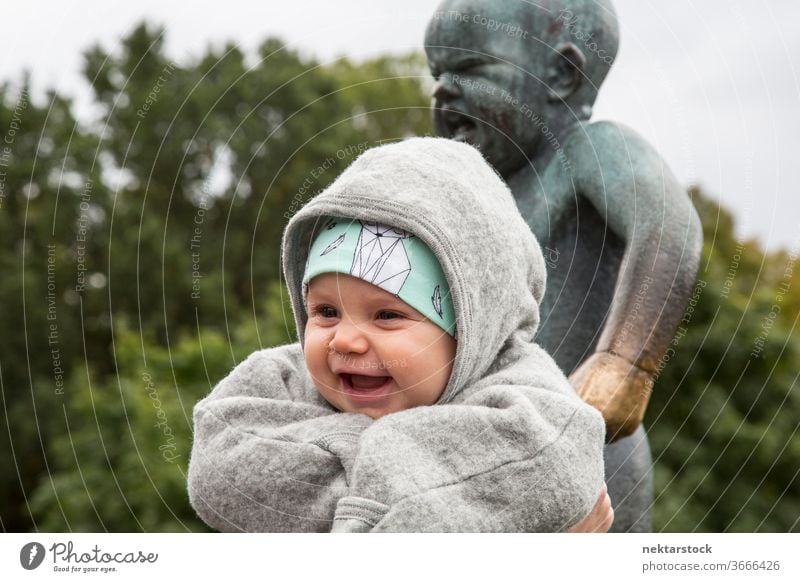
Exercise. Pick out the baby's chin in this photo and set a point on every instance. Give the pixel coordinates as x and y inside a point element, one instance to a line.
<point>373,412</point>
<point>376,411</point>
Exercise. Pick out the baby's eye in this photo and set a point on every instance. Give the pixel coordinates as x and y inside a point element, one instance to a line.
<point>388,315</point>
<point>325,311</point>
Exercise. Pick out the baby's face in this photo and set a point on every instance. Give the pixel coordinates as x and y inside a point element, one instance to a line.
<point>370,352</point>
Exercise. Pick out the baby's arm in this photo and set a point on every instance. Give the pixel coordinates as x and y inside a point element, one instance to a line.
<point>508,458</point>
<point>630,186</point>
<point>265,458</point>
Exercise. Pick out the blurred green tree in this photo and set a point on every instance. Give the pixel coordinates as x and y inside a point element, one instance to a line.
<point>725,412</point>
<point>46,163</point>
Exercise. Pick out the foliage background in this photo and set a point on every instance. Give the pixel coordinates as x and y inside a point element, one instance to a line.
<point>193,168</point>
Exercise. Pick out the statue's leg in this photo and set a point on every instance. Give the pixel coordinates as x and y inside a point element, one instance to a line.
<point>629,475</point>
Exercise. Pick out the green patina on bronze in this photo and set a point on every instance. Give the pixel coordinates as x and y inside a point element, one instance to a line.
<point>621,238</point>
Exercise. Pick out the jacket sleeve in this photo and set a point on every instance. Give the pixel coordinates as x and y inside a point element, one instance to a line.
<point>508,458</point>
<point>267,455</point>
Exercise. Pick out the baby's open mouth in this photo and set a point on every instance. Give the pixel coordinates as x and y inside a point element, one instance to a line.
<point>361,382</point>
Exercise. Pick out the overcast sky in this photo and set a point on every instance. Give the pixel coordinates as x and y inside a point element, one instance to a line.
<point>713,84</point>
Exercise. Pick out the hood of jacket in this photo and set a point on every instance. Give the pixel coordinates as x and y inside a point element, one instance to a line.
<point>446,194</point>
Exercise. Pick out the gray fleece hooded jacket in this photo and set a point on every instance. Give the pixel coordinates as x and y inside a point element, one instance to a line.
<point>509,446</point>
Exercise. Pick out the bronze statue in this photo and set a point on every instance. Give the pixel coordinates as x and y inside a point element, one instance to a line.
<point>620,235</point>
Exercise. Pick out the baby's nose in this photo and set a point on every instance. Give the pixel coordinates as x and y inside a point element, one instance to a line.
<point>349,339</point>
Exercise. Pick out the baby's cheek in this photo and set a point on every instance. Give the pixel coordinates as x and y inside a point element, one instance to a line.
<point>315,353</point>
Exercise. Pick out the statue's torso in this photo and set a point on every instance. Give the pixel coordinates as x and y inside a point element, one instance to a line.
<point>583,257</point>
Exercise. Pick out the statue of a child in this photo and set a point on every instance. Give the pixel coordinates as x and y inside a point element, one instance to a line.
<point>621,238</point>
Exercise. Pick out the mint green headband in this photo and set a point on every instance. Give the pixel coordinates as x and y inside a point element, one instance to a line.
<point>390,258</point>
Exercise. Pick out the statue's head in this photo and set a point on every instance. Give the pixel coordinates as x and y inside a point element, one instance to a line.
<point>511,73</point>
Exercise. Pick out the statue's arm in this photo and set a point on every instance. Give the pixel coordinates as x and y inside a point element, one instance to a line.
<point>632,188</point>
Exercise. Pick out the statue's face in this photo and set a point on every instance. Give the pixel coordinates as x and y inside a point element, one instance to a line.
<point>490,90</point>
